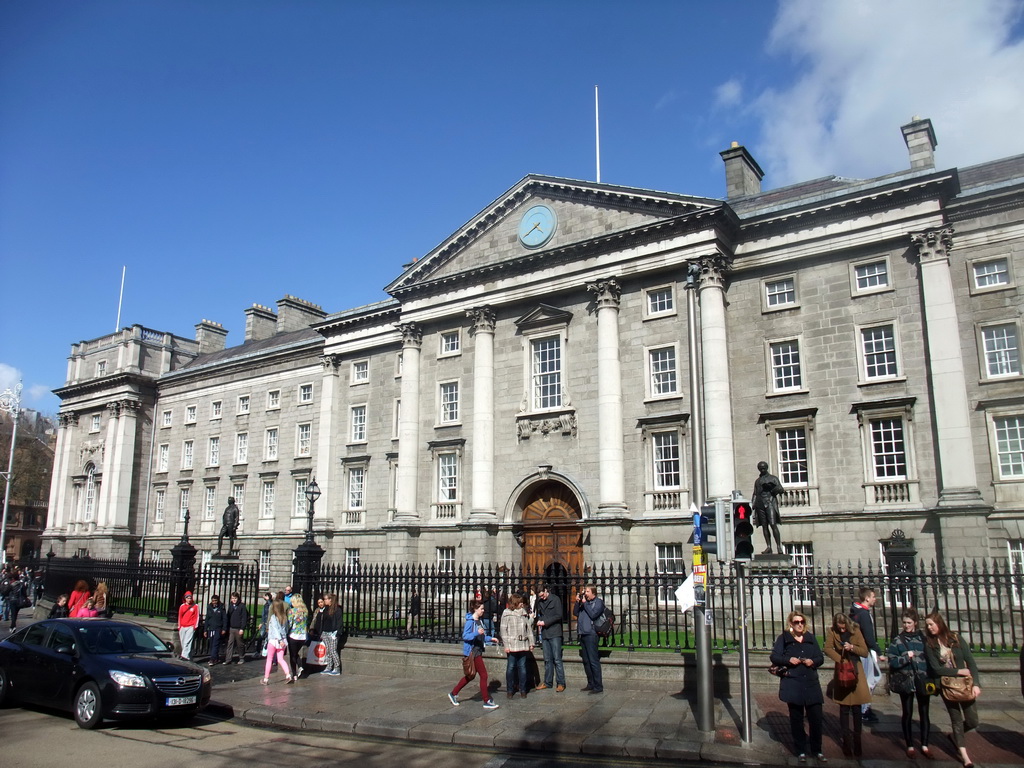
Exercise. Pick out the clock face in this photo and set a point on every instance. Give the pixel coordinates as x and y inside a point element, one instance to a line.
<point>537,226</point>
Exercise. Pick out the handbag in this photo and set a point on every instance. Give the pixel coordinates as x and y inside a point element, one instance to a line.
<point>317,653</point>
<point>469,665</point>
<point>902,679</point>
<point>779,670</point>
<point>846,673</point>
<point>957,688</point>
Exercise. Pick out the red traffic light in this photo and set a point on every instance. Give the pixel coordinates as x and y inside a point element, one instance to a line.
<point>742,512</point>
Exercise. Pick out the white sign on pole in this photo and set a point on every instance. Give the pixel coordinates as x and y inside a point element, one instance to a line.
<point>684,595</point>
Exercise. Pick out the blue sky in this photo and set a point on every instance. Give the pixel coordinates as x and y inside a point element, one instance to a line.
<point>235,151</point>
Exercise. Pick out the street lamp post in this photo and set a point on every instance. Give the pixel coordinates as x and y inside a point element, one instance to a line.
<point>10,402</point>
<point>312,494</point>
<point>309,554</point>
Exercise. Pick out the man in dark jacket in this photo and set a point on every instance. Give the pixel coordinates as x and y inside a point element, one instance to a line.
<point>216,627</point>
<point>588,607</point>
<point>860,612</point>
<point>549,621</point>
<point>237,618</point>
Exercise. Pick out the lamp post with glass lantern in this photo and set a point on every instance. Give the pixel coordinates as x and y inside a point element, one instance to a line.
<point>10,402</point>
<point>307,556</point>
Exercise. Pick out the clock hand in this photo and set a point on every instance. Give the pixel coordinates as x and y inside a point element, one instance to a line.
<point>536,225</point>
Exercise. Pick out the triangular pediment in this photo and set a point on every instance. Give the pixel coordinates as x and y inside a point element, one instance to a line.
<point>584,214</point>
<point>544,316</point>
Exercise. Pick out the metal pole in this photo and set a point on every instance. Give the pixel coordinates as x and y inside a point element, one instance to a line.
<point>11,403</point>
<point>741,587</point>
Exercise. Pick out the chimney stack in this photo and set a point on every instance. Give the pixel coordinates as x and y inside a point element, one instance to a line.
<point>294,314</point>
<point>260,323</point>
<point>742,173</point>
<point>210,336</point>
<point>920,138</point>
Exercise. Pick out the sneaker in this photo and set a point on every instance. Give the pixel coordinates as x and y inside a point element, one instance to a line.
<point>241,661</point>
<point>490,704</point>
<point>822,758</point>
<point>453,700</point>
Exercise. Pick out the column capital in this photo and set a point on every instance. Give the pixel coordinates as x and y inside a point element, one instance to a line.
<point>412,334</point>
<point>607,293</point>
<point>68,419</point>
<point>933,244</point>
<point>484,319</point>
<point>330,363</point>
<point>130,407</point>
<point>713,269</point>
<point>114,409</point>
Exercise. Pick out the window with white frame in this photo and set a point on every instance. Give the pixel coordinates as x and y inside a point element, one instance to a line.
<point>664,379</point>
<point>993,273</point>
<point>792,456</point>
<point>357,424</point>
<point>166,418</point>
<point>163,457</point>
<point>215,409</point>
<point>660,301</point>
<point>447,477</point>
<point>446,559</point>
<point>301,502</point>
<point>183,497</point>
<point>159,504</point>
<point>546,372</point>
<point>190,414</point>
<point>205,556</point>
<point>397,419</point>
<point>187,453</point>
<point>888,448</point>
<point>878,353</point>
<point>1001,349</point>
<point>1016,559</point>
<point>213,452</point>
<point>243,404</point>
<point>785,365</point>
<point>156,555</point>
<point>264,562</point>
<point>90,494</point>
<point>356,488</point>
<point>801,554</point>
<point>305,394</point>
<point>360,371</point>
<point>101,368</point>
<point>669,563</point>
<point>667,459</point>
<point>267,499</point>
<point>303,440</point>
<point>871,276</point>
<point>270,445</point>
<point>449,402</point>
<point>352,560</point>
<point>242,448</point>
<point>209,503</point>
<point>780,292</point>
<point>94,425</point>
<point>238,494</point>
<point>450,343</point>
<point>399,363</point>
<point>273,399</point>
<point>1009,442</point>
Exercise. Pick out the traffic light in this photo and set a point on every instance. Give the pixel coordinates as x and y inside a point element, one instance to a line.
<point>742,529</point>
<point>714,528</point>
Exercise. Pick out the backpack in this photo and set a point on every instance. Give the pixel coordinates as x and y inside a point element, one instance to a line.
<point>604,625</point>
<point>5,588</point>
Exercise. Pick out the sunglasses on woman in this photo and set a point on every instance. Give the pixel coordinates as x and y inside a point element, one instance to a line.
<point>798,621</point>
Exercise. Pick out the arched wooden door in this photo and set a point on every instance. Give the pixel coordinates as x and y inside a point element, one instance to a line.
<point>553,539</point>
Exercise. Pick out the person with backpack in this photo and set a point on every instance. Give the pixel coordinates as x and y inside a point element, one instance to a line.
<point>17,597</point>
<point>587,610</point>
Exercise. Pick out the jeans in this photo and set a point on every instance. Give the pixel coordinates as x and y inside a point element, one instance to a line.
<point>591,661</point>
<point>278,652</point>
<point>963,716</point>
<point>553,668</point>
<point>515,663</point>
<point>481,673</point>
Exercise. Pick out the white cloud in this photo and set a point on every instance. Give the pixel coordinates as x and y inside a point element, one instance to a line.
<point>729,93</point>
<point>865,68</point>
<point>9,377</point>
<point>33,395</point>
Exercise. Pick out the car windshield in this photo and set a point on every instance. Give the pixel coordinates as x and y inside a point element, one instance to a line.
<point>119,638</point>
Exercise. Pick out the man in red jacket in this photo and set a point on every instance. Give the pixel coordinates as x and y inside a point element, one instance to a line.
<point>188,620</point>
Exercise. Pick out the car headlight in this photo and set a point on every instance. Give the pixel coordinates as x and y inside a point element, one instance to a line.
<point>207,677</point>
<point>127,679</point>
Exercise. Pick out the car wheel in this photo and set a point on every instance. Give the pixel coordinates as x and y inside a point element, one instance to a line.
<point>88,708</point>
<point>5,694</point>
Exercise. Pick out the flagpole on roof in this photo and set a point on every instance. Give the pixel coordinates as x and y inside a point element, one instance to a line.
<point>120,298</point>
<point>597,135</point>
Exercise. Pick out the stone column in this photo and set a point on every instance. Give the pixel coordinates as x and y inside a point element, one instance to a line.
<point>406,509</point>
<point>718,439</point>
<point>483,413</point>
<point>957,479</point>
<point>118,470</point>
<point>323,462</point>
<point>57,517</point>
<point>611,449</point>
<point>107,469</point>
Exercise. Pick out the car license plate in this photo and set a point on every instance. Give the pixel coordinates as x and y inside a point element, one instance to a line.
<point>180,701</point>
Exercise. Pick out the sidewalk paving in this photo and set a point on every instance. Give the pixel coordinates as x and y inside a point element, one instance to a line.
<point>656,723</point>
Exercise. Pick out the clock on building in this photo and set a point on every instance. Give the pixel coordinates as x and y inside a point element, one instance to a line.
<point>537,226</point>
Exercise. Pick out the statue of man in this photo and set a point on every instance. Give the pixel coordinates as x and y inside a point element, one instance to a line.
<point>766,506</point>
<point>229,525</point>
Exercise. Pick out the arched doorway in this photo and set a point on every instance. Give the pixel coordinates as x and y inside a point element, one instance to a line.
<point>552,537</point>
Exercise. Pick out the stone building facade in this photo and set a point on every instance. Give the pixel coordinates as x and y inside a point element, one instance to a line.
<point>534,388</point>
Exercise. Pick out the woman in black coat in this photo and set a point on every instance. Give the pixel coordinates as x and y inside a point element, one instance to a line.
<point>797,650</point>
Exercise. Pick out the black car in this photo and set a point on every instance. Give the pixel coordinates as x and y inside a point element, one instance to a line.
<point>97,669</point>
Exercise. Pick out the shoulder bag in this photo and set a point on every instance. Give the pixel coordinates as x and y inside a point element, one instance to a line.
<point>846,673</point>
<point>957,688</point>
<point>901,679</point>
<point>779,670</point>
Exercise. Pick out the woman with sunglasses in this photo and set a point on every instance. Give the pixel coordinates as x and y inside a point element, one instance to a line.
<point>845,644</point>
<point>797,650</point>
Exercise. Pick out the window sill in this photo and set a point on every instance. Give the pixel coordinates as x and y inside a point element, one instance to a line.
<point>784,392</point>
<point>874,382</point>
